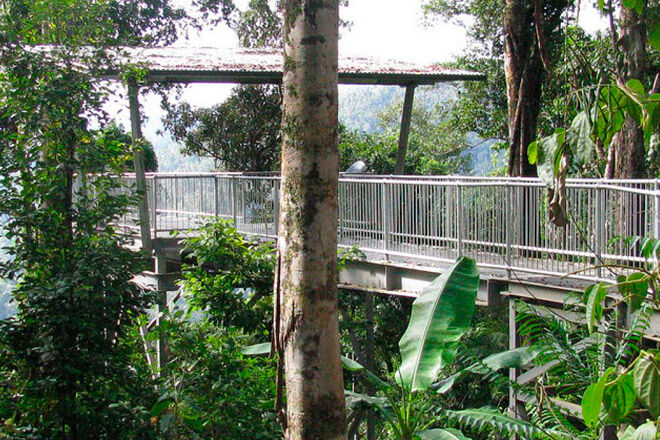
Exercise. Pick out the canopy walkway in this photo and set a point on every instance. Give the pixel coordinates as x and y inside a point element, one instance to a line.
<point>426,221</point>
<point>409,228</point>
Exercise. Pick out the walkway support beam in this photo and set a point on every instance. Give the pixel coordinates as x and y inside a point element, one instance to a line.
<point>138,161</point>
<point>405,129</point>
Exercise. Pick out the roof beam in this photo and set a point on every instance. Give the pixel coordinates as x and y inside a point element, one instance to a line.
<point>244,77</point>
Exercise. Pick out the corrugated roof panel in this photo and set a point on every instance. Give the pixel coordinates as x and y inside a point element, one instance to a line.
<point>179,64</point>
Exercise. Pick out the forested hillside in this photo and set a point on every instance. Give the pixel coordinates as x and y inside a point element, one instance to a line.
<point>362,109</point>
<point>360,106</point>
<point>373,109</point>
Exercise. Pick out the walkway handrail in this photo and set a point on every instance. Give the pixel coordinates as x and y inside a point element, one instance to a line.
<point>499,221</point>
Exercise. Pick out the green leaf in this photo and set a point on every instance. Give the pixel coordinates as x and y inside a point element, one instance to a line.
<point>161,405</point>
<point>594,297</point>
<point>533,152</point>
<point>441,434</point>
<point>515,358</point>
<point>560,134</point>
<point>356,367</point>
<point>647,381</point>
<point>355,401</point>
<point>581,136</point>
<point>635,5</point>
<point>193,422</point>
<point>591,402</point>
<point>636,87</point>
<point>619,398</point>
<point>654,35</point>
<point>257,349</point>
<point>592,399</point>
<point>480,417</point>
<point>549,151</point>
<point>351,365</point>
<point>440,316</point>
<point>446,384</point>
<point>609,113</point>
<point>646,431</point>
<point>634,288</point>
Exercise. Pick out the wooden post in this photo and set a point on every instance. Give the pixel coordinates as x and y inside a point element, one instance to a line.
<point>405,129</point>
<point>138,160</point>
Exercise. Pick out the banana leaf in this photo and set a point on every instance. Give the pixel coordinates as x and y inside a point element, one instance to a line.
<point>440,316</point>
<point>441,434</point>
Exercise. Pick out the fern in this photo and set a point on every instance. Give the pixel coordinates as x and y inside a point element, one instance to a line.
<point>557,340</point>
<point>551,417</point>
<point>482,418</point>
<point>632,340</point>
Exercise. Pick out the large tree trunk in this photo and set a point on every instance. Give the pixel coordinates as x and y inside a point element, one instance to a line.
<point>307,329</point>
<point>628,144</point>
<point>524,79</point>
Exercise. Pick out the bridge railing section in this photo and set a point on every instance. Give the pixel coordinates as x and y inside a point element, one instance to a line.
<point>501,222</point>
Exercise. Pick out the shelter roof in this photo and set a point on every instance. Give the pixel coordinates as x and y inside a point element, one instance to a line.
<point>265,65</point>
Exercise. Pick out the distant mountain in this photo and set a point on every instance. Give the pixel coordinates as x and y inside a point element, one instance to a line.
<point>485,160</point>
<point>171,160</point>
<point>360,106</point>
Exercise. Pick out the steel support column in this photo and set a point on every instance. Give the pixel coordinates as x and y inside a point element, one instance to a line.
<point>138,161</point>
<point>405,129</point>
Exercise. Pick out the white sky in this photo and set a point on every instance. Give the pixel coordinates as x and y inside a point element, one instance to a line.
<point>380,28</point>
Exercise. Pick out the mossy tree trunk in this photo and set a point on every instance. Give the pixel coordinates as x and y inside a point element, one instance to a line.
<point>307,330</point>
<point>628,143</point>
<point>524,79</point>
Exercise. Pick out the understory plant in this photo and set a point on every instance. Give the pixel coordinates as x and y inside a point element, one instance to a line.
<point>209,389</point>
<point>440,317</point>
<point>625,395</point>
<point>595,375</point>
<point>229,277</point>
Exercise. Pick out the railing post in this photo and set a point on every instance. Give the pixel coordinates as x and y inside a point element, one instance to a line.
<point>508,224</point>
<point>233,201</point>
<point>216,194</point>
<point>656,223</point>
<point>459,221</point>
<point>385,219</point>
<point>599,229</point>
<point>154,197</point>
<point>276,205</point>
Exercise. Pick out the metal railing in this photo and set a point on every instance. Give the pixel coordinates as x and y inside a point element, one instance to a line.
<point>500,222</point>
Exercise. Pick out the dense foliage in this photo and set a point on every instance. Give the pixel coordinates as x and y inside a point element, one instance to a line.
<point>68,356</point>
<point>209,388</point>
<point>241,134</point>
<point>114,138</point>
<point>66,349</point>
<point>230,278</point>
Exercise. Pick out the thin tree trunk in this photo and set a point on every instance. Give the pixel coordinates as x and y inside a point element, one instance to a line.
<point>628,143</point>
<point>308,328</point>
<point>654,142</point>
<point>524,78</point>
